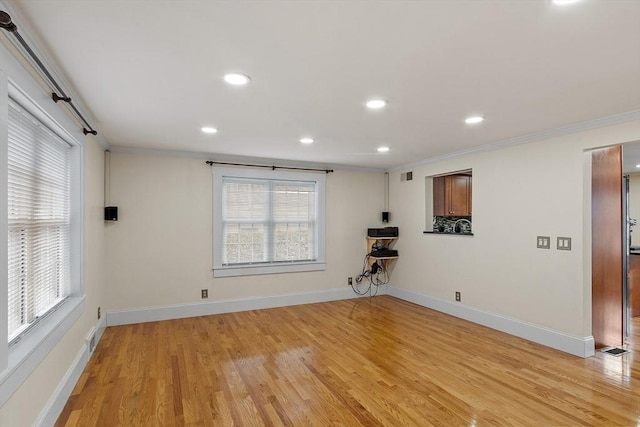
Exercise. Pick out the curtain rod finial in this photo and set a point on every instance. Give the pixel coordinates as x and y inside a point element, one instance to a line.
<point>6,23</point>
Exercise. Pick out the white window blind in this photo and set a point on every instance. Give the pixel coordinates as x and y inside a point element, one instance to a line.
<point>268,221</point>
<point>38,220</point>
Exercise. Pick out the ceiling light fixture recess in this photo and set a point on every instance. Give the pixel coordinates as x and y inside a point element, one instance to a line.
<point>237,79</point>
<point>638,166</point>
<point>473,120</point>
<point>564,2</point>
<point>209,130</point>
<point>307,140</point>
<point>383,149</point>
<point>375,104</point>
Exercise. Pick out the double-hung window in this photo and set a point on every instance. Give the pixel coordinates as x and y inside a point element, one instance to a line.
<point>41,224</point>
<point>39,170</point>
<point>267,221</point>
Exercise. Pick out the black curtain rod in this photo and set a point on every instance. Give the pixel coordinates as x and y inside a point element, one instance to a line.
<point>8,25</point>
<point>211,163</point>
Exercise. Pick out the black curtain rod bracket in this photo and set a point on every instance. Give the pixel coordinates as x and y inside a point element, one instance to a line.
<point>57,98</point>
<point>7,24</point>
<point>212,162</point>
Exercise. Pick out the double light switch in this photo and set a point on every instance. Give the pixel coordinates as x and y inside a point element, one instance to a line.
<point>562,244</point>
<point>544,242</point>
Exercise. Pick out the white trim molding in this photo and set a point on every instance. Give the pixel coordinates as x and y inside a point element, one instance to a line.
<point>180,311</point>
<point>54,406</point>
<point>230,158</point>
<point>532,137</point>
<point>268,179</point>
<point>27,354</point>
<point>578,346</point>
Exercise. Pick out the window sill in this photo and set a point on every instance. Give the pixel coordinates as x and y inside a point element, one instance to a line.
<point>27,354</point>
<point>251,270</point>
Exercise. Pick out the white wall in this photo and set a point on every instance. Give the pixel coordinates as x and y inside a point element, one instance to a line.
<point>634,206</point>
<point>27,403</point>
<point>160,249</point>
<point>519,192</point>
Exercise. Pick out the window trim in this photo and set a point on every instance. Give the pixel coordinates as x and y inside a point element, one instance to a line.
<point>26,327</point>
<point>19,360</point>
<point>220,270</point>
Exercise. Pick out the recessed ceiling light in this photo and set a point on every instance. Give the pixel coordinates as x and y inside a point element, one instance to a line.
<point>383,149</point>
<point>307,140</point>
<point>376,103</point>
<point>209,129</point>
<point>473,120</point>
<point>236,79</point>
<point>638,166</point>
<point>564,2</point>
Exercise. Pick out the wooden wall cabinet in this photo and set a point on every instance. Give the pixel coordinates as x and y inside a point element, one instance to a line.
<point>452,195</point>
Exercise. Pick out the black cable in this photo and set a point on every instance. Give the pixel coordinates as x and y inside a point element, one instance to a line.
<point>358,291</point>
<point>375,273</point>
<point>361,276</point>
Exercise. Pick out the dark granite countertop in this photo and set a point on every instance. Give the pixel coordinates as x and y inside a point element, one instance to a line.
<point>447,234</point>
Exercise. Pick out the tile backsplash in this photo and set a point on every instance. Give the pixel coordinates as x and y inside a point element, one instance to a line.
<point>446,224</point>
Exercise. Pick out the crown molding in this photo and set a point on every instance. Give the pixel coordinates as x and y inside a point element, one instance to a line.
<point>238,159</point>
<point>524,139</point>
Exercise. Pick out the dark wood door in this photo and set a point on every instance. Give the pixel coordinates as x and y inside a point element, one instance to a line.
<point>606,251</point>
<point>439,208</point>
<point>458,190</point>
<point>469,195</point>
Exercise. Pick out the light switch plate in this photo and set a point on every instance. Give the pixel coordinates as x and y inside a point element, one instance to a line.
<point>564,243</point>
<point>544,242</point>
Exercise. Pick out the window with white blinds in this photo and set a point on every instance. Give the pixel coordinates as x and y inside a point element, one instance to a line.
<point>265,220</point>
<point>39,164</point>
<point>268,221</point>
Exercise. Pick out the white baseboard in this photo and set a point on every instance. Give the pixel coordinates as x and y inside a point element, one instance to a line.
<point>54,406</point>
<point>100,327</point>
<point>179,311</point>
<point>578,346</point>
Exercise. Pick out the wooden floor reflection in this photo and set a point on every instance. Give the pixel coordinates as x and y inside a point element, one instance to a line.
<point>369,361</point>
<point>633,341</point>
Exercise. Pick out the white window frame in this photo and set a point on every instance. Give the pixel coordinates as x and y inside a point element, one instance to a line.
<point>220,270</point>
<point>22,357</point>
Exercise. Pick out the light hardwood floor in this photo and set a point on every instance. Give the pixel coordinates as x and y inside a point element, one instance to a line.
<point>369,361</point>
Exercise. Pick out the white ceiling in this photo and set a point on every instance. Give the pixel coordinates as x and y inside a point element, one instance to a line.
<point>150,73</point>
<point>631,157</point>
